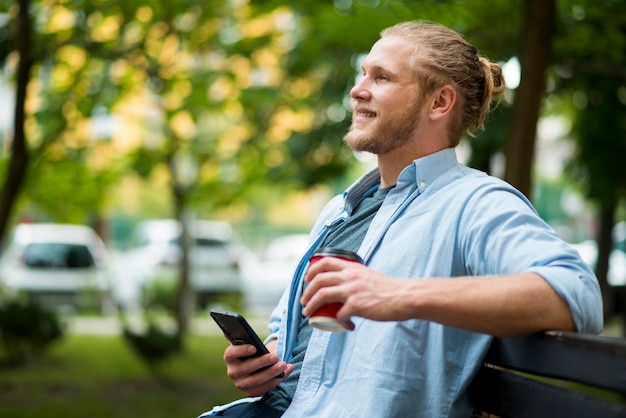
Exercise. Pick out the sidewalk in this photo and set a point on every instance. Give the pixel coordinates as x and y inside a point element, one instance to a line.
<point>111,325</point>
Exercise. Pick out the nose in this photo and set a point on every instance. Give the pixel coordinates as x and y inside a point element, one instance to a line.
<point>360,91</point>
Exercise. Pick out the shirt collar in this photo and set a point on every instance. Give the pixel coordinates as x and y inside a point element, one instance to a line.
<point>422,172</point>
<point>360,189</point>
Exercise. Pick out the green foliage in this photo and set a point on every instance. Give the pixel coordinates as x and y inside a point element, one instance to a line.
<point>68,190</point>
<point>591,63</point>
<point>601,136</point>
<point>591,31</point>
<point>26,329</point>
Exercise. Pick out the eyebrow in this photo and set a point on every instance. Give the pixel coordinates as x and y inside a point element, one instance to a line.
<point>378,68</point>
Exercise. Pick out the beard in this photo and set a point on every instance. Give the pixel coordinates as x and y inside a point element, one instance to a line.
<point>387,133</point>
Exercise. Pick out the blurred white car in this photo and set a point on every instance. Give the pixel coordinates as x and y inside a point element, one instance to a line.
<point>616,276</point>
<point>264,281</point>
<point>61,266</point>
<point>214,258</point>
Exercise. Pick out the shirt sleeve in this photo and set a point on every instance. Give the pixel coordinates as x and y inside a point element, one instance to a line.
<point>503,234</point>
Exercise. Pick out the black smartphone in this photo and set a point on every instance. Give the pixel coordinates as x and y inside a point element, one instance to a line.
<point>238,331</point>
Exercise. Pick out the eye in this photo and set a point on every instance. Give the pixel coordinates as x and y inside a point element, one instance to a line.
<point>382,77</point>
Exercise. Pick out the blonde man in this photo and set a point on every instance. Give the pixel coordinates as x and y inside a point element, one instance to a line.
<point>452,256</point>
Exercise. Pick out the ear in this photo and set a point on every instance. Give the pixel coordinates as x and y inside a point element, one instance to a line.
<point>442,102</point>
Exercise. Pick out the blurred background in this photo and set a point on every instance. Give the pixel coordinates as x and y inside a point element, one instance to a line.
<point>162,158</point>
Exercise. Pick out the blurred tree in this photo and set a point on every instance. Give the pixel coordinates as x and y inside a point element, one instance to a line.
<point>591,76</point>
<point>535,57</point>
<point>599,162</point>
<point>18,161</point>
<point>52,124</point>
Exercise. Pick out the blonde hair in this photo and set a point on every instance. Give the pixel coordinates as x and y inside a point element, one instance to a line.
<point>442,57</point>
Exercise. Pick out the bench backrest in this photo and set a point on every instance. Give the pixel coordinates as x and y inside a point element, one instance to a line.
<point>591,373</point>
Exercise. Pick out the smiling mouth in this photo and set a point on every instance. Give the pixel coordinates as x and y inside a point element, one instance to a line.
<point>364,113</point>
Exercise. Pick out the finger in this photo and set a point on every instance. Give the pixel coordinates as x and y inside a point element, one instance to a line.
<point>343,317</point>
<point>321,297</point>
<point>324,265</point>
<point>311,299</point>
<point>256,364</point>
<point>262,382</point>
<point>310,290</point>
<point>241,369</point>
<point>236,352</point>
<point>259,382</point>
<point>321,281</point>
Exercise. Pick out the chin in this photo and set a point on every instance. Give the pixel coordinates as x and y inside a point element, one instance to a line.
<point>362,145</point>
<point>353,140</point>
<point>363,140</point>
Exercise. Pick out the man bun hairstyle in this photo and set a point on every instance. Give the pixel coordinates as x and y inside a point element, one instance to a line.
<point>443,57</point>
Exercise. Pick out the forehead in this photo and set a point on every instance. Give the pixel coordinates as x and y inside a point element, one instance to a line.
<point>392,53</point>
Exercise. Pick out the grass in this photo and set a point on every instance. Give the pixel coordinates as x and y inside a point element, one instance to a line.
<point>95,376</point>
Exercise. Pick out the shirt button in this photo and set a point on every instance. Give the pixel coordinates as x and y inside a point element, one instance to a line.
<point>422,184</point>
<point>328,222</point>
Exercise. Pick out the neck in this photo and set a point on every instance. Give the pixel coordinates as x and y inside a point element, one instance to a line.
<point>391,164</point>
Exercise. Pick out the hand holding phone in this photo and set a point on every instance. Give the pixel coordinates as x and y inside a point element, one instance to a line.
<point>238,331</point>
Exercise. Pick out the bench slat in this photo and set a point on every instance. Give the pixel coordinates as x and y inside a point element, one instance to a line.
<point>509,395</point>
<point>592,360</point>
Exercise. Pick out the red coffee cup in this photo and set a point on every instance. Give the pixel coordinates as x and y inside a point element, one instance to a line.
<point>326,317</point>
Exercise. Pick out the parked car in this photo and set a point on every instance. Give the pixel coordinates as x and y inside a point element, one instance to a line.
<point>155,260</point>
<point>62,266</point>
<point>264,282</point>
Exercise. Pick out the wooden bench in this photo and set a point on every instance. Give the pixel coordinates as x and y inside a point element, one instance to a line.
<point>552,375</point>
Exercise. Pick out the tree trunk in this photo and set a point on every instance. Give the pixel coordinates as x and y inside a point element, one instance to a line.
<point>535,56</point>
<point>19,151</point>
<point>605,245</point>
<point>185,295</point>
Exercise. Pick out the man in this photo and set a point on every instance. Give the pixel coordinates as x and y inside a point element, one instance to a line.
<point>452,256</point>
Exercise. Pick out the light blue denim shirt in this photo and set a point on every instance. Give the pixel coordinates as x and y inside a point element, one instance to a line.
<point>441,220</point>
